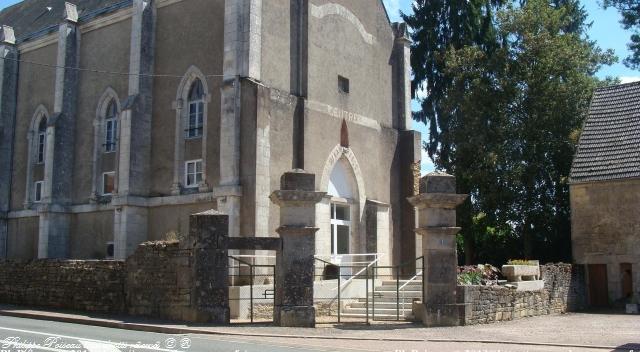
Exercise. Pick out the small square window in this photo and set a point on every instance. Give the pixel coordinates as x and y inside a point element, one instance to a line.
<point>193,173</point>
<point>37,194</point>
<point>343,84</point>
<point>108,183</point>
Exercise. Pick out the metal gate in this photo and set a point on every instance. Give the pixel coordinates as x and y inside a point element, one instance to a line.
<point>361,291</point>
<point>251,289</point>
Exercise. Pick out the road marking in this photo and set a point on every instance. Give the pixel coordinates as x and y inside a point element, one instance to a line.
<point>81,339</point>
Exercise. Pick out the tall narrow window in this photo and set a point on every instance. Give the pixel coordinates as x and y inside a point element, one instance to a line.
<point>193,173</point>
<point>196,110</point>
<point>111,128</point>
<point>340,228</point>
<point>37,191</point>
<point>42,140</point>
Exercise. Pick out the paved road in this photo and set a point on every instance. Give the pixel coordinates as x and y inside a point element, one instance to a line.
<point>18,334</point>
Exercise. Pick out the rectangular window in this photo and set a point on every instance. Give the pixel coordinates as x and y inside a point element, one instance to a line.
<point>343,84</point>
<point>37,191</point>
<point>196,119</point>
<point>110,135</point>
<point>41,145</point>
<point>193,173</point>
<point>108,183</point>
<point>340,228</point>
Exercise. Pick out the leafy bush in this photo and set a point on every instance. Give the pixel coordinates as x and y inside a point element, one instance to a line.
<point>470,278</point>
<point>478,275</point>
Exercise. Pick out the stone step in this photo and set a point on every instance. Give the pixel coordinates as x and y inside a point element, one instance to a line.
<point>389,299</point>
<point>393,294</point>
<point>394,283</point>
<point>391,313</point>
<point>387,305</point>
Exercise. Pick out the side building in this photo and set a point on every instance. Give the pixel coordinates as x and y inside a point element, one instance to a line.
<point>605,196</point>
<point>119,118</point>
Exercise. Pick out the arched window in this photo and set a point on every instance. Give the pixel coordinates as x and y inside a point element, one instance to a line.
<point>37,158</point>
<point>190,153</point>
<point>41,140</point>
<point>111,127</point>
<point>196,110</point>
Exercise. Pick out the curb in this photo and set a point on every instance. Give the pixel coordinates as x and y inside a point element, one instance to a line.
<point>183,331</point>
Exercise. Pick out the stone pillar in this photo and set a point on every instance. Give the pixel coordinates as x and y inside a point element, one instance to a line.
<point>209,237</point>
<point>241,59</point>
<point>297,200</point>
<point>436,206</point>
<point>55,219</point>
<point>134,145</point>
<point>401,77</point>
<point>8,100</point>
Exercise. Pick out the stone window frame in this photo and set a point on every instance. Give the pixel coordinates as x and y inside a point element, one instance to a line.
<point>108,98</point>
<point>194,162</point>
<point>181,124</point>
<point>40,114</point>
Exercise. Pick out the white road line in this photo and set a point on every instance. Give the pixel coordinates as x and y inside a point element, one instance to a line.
<point>142,346</point>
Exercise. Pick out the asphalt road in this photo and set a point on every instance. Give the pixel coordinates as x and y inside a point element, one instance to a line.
<point>17,334</point>
<point>27,335</point>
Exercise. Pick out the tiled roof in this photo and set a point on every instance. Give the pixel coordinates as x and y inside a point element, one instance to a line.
<point>33,18</point>
<point>609,147</point>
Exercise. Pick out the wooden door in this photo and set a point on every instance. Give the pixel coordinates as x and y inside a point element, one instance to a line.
<point>598,292</point>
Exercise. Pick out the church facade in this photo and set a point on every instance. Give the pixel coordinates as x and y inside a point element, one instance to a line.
<point>120,118</point>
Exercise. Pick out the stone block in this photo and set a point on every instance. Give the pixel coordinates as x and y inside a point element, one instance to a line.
<point>438,182</point>
<point>296,316</point>
<point>298,180</point>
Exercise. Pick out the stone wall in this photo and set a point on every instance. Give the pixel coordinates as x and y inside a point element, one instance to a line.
<point>95,286</point>
<point>159,281</point>
<point>564,291</point>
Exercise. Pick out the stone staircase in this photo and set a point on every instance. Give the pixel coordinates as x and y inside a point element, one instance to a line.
<point>387,304</point>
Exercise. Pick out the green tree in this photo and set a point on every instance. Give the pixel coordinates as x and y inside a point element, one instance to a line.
<point>507,127</point>
<point>439,26</point>
<point>630,11</point>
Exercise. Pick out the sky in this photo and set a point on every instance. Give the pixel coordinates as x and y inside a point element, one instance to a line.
<point>605,30</point>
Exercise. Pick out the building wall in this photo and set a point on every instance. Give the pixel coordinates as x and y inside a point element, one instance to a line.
<point>35,88</point>
<point>348,38</point>
<point>196,42</point>
<point>605,219</point>
<point>105,48</point>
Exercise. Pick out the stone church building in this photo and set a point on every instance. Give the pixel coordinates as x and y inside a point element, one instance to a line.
<point>119,118</point>
<point>605,196</point>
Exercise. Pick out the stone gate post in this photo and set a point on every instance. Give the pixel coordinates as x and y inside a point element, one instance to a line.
<point>436,217</point>
<point>209,239</point>
<point>297,200</point>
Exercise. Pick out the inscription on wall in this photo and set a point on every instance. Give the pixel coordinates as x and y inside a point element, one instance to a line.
<point>343,114</point>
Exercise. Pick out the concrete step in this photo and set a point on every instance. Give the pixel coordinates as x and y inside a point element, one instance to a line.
<point>379,312</point>
<point>393,294</point>
<point>387,305</point>
<point>394,283</point>
<point>389,299</point>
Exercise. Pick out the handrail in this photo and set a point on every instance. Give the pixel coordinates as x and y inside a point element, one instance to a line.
<point>410,281</point>
<point>378,256</point>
